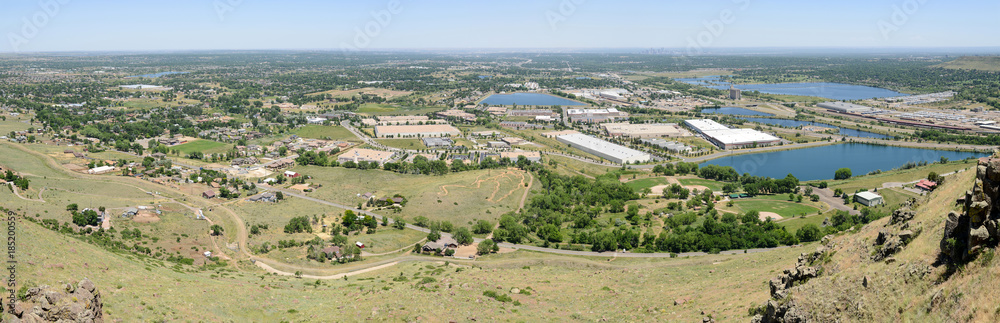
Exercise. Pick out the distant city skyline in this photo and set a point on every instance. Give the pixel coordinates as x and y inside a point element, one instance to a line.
<point>691,27</point>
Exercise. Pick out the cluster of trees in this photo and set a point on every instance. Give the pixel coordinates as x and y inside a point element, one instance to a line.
<point>18,181</point>
<point>299,224</point>
<point>940,136</point>
<point>353,222</point>
<point>682,168</point>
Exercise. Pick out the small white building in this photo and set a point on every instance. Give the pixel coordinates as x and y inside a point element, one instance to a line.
<point>101,170</point>
<point>868,199</point>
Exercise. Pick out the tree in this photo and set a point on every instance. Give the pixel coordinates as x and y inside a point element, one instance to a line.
<point>434,235</point>
<point>486,247</point>
<point>482,227</point>
<point>807,233</point>
<point>72,207</point>
<point>463,236</point>
<point>842,174</point>
<point>216,229</point>
<point>280,196</point>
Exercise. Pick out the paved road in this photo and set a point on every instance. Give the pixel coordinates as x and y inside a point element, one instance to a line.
<point>826,196</point>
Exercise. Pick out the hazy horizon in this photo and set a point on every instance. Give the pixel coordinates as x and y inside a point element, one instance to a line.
<point>399,25</point>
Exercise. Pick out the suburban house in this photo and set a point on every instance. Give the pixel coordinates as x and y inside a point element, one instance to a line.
<point>263,197</point>
<point>209,194</point>
<point>440,245</point>
<point>332,252</point>
<point>926,185</point>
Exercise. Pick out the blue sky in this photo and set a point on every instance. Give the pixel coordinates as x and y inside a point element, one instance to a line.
<point>76,25</point>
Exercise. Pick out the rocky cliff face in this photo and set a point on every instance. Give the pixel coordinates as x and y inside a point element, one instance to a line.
<point>977,226</point>
<point>68,303</point>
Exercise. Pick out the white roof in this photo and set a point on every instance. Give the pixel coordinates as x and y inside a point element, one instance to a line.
<point>739,136</point>
<point>102,169</point>
<point>706,125</point>
<point>868,195</point>
<point>614,150</point>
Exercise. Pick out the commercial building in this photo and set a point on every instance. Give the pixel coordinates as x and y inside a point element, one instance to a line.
<point>644,130</point>
<point>868,199</point>
<point>532,113</point>
<point>453,113</point>
<point>517,125</point>
<point>431,130</point>
<point>670,146</point>
<point>365,155</point>
<point>436,142</point>
<point>532,156</point>
<point>597,147</point>
<point>734,93</point>
<point>844,107</point>
<point>392,120</point>
<point>594,115</point>
<point>725,138</point>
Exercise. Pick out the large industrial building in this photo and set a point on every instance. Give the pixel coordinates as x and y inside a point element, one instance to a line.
<point>597,147</point>
<point>654,130</point>
<point>844,107</point>
<point>594,115</point>
<point>365,155</point>
<point>726,138</point>
<point>430,130</point>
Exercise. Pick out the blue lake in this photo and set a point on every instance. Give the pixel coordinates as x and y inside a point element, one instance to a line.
<point>155,75</point>
<point>820,163</point>
<point>736,112</point>
<point>529,99</point>
<point>834,91</point>
<point>796,124</point>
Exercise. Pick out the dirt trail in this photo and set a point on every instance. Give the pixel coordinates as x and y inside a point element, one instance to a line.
<point>18,194</point>
<point>506,175</point>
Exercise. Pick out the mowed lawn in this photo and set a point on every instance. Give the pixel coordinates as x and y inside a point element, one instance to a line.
<point>783,208</point>
<point>712,185</point>
<point>324,132</point>
<point>904,176</point>
<point>640,184</point>
<point>409,143</point>
<point>203,146</point>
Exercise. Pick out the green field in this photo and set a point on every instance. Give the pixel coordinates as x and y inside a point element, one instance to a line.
<point>640,184</point>
<point>712,185</point>
<point>201,145</point>
<point>409,143</point>
<point>325,132</point>
<point>986,63</point>
<point>455,197</point>
<point>388,109</point>
<point>785,209</point>
<point>903,176</point>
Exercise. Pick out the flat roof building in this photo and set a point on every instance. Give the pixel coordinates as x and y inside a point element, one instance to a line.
<point>644,130</point>
<point>594,115</point>
<point>597,147</point>
<point>532,156</point>
<point>436,142</point>
<point>389,120</point>
<point>433,130</point>
<point>726,138</point>
<point>365,155</point>
<point>844,107</point>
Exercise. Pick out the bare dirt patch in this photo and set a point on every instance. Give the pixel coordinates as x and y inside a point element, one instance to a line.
<point>772,215</point>
<point>146,217</point>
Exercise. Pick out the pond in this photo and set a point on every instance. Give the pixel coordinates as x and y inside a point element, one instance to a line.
<point>822,162</point>
<point>529,99</point>
<point>733,111</point>
<point>833,91</point>
<point>155,75</point>
<point>797,124</point>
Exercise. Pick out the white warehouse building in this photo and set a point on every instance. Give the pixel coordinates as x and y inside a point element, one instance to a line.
<point>615,153</point>
<point>726,138</point>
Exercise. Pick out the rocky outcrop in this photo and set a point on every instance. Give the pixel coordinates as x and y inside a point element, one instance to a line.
<point>781,308</point>
<point>68,303</point>
<point>896,234</point>
<point>966,233</point>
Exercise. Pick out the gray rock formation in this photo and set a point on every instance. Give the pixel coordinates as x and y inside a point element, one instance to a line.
<point>977,226</point>
<point>80,303</point>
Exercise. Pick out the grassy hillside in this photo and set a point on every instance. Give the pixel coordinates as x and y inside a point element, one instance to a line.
<point>912,285</point>
<point>982,63</point>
